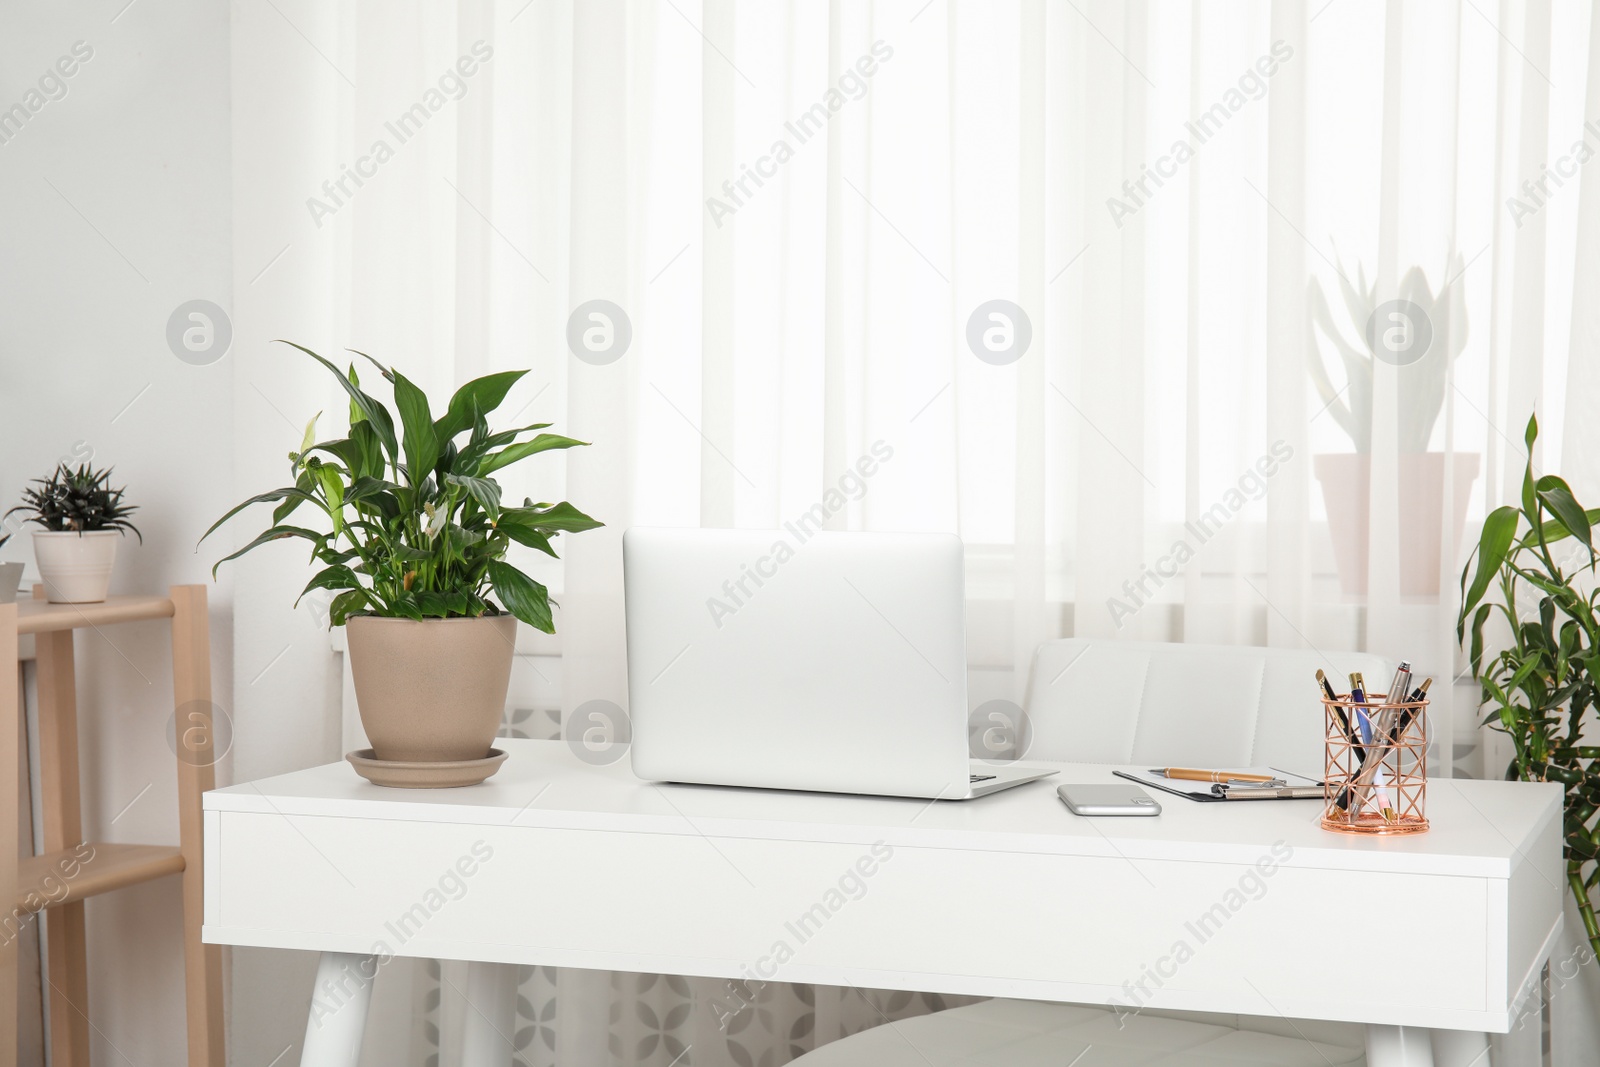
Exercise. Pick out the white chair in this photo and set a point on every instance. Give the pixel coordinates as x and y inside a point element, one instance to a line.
<point>1151,704</point>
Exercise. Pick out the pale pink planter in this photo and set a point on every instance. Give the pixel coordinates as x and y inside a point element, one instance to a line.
<point>431,690</point>
<point>1346,488</point>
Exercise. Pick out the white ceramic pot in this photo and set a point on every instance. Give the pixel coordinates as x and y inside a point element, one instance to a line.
<point>75,568</point>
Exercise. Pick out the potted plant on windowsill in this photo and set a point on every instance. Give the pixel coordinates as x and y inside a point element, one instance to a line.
<point>83,519</point>
<point>1420,335</point>
<point>414,545</point>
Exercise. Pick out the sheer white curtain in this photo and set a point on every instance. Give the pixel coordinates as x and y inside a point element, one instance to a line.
<point>801,216</point>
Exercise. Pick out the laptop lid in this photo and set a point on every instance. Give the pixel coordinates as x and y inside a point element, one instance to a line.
<point>797,659</point>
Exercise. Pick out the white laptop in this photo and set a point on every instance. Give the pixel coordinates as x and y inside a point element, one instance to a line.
<point>798,659</point>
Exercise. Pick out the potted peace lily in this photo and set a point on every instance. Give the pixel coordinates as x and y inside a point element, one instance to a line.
<point>83,518</point>
<point>413,534</point>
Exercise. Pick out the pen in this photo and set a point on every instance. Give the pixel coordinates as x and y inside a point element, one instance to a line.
<point>1401,684</point>
<point>1344,720</point>
<point>1190,775</point>
<point>1397,695</point>
<point>1292,792</point>
<point>1417,696</point>
<point>1358,695</point>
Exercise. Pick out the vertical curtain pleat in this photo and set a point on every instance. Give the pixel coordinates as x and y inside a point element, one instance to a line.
<point>1288,570</point>
<point>1028,552</point>
<point>719,295</point>
<point>1104,410</point>
<point>1580,451</point>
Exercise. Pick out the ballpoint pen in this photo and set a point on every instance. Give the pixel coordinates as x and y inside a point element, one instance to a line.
<point>1259,792</point>
<point>1397,696</point>
<point>1417,696</point>
<point>1189,774</point>
<point>1344,720</point>
<point>1358,695</point>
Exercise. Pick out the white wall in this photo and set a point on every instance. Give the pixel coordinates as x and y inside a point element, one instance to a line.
<point>116,211</point>
<point>287,676</point>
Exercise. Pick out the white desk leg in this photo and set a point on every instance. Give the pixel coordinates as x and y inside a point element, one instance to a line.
<point>339,1003</point>
<point>1460,1048</point>
<point>491,1015</point>
<point>1399,1046</point>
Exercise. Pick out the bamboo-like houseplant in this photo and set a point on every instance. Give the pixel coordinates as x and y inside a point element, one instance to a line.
<point>413,536</point>
<point>1541,685</point>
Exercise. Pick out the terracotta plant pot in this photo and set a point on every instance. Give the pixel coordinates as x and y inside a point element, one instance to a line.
<point>434,690</point>
<point>1346,491</point>
<point>76,567</point>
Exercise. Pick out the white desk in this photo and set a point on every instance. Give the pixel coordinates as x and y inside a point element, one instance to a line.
<point>719,882</point>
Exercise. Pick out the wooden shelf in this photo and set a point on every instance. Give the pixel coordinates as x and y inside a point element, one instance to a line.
<point>38,616</point>
<point>48,878</point>
<point>60,879</point>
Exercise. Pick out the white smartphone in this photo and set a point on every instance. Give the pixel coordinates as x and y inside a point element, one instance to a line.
<point>1108,800</point>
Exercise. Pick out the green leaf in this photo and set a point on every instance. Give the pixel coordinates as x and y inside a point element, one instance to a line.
<point>346,604</point>
<point>522,596</point>
<point>480,396</point>
<point>333,489</point>
<point>289,493</point>
<point>421,443</point>
<point>405,607</point>
<point>303,484</point>
<point>1556,495</point>
<point>433,605</point>
<point>1529,497</point>
<point>356,417</point>
<point>335,577</point>
<point>562,516</point>
<point>484,490</point>
<point>378,415</point>
<point>276,533</point>
<point>1477,637</point>
<point>479,445</point>
<point>385,371</point>
<point>526,535</point>
<point>370,449</point>
<point>1498,529</point>
<point>311,433</point>
<point>523,449</point>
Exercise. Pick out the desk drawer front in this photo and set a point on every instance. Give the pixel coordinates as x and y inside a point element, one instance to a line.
<point>1222,937</point>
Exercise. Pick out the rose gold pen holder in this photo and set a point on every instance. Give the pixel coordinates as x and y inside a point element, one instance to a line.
<point>1378,788</point>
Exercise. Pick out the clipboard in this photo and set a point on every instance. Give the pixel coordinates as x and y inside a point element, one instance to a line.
<point>1202,791</point>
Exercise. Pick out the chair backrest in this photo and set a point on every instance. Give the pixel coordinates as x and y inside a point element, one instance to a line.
<point>1165,704</point>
